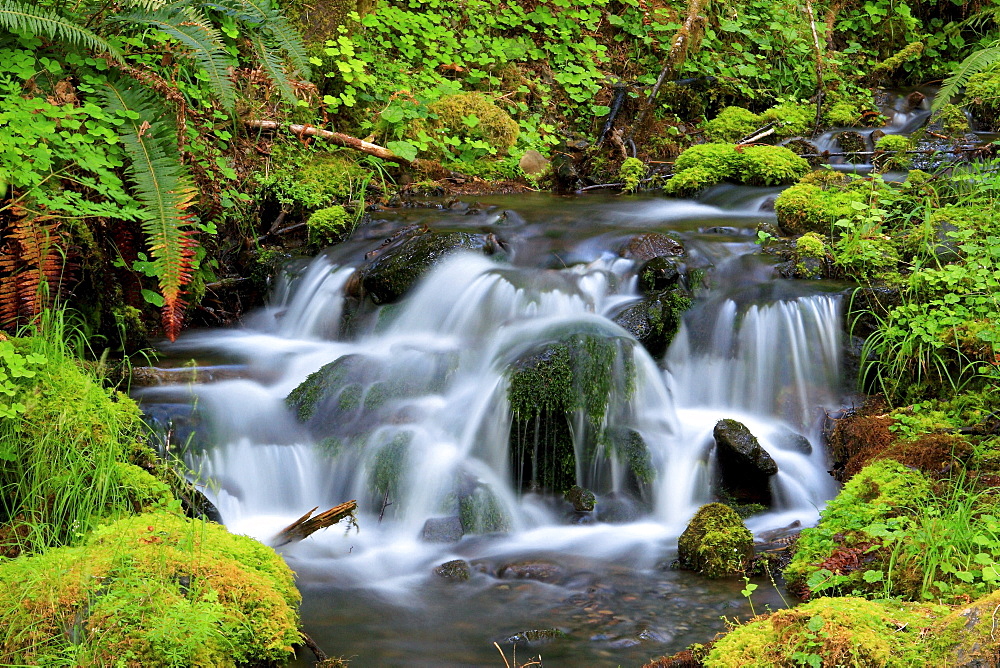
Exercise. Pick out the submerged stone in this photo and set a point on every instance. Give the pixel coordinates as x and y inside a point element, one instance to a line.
<point>715,543</point>
<point>645,247</point>
<point>659,273</point>
<point>442,530</point>
<point>543,571</point>
<point>456,570</point>
<point>536,636</point>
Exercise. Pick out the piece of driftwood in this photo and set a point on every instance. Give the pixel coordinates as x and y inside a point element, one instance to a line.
<point>338,138</point>
<point>307,524</point>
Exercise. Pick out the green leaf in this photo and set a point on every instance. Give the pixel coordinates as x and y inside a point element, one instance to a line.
<point>403,149</point>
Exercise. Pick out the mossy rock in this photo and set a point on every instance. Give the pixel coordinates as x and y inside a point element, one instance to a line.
<point>151,590</point>
<point>482,512</point>
<point>708,164</point>
<point>794,119</point>
<point>744,467</point>
<point>770,166</point>
<point>982,97</point>
<point>329,225</point>
<point>837,632</point>
<point>716,543</point>
<point>492,125</point>
<point>141,487</point>
<point>732,124</point>
<point>394,269</point>
<point>578,372</point>
<point>583,500</point>
<point>807,207</point>
<point>891,153</point>
<point>655,319</point>
<point>811,255</point>
<point>630,447</point>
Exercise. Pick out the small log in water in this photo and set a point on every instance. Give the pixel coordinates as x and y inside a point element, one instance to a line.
<point>307,524</point>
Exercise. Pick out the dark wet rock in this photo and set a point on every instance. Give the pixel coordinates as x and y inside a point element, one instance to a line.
<point>535,636</point>
<point>583,500</point>
<point>543,571</point>
<point>805,149</point>
<point>780,534</point>
<point>715,543</point>
<point>745,468</point>
<point>914,100</point>
<point>393,268</point>
<point>442,530</point>
<point>658,274</point>
<point>721,230</point>
<point>565,176</point>
<point>645,247</point>
<point>456,570</point>
<point>787,439</point>
<point>578,145</point>
<point>655,319</point>
<point>852,142</point>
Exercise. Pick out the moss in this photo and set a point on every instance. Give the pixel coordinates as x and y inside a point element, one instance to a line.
<point>630,446</point>
<point>492,125</point>
<point>837,632</point>
<point>150,590</point>
<point>305,398</point>
<point>810,255</point>
<point>631,171</point>
<point>795,119</point>
<point>770,166</point>
<point>715,543</point>
<point>583,500</point>
<point>578,373</point>
<point>313,180</point>
<point>482,512</point>
<point>329,225</point>
<point>891,153</point>
<point>806,207</point>
<point>982,96</point>
<point>349,398</point>
<point>390,461</point>
<point>141,488</point>
<point>732,124</point>
<point>952,120</point>
<point>841,541</point>
<point>707,164</point>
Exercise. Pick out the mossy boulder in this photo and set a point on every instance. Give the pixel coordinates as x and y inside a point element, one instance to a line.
<point>891,153</point>
<point>715,543</point>
<point>150,590</point>
<point>580,372</point>
<point>708,164</point>
<point>655,319</point>
<point>660,273</point>
<point>732,124</point>
<point>583,500</point>
<point>811,255</point>
<point>837,632</point>
<point>396,266</point>
<point>809,207</point>
<point>481,511</point>
<point>492,124</point>
<point>982,97</point>
<point>744,466</point>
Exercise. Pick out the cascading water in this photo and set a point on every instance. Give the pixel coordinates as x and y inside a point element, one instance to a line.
<point>416,423</point>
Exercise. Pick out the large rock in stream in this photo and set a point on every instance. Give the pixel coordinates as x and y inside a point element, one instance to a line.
<point>391,269</point>
<point>655,319</point>
<point>745,468</point>
<point>716,543</point>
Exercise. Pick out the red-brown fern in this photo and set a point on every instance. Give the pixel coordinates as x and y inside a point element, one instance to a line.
<point>33,267</point>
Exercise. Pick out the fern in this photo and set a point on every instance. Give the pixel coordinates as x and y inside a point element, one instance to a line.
<point>164,189</point>
<point>192,29</point>
<point>33,268</point>
<point>273,34</point>
<point>272,64</point>
<point>17,17</point>
<point>975,63</point>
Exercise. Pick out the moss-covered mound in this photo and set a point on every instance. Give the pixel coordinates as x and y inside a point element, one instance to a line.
<point>151,590</point>
<point>705,165</point>
<point>982,97</point>
<point>715,543</point>
<point>815,207</point>
<point>474,116</point>
<point>835,632</point>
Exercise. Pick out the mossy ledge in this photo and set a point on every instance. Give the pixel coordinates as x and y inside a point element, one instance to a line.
<point>155,589</point>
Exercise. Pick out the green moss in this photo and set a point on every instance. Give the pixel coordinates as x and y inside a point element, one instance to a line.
<point>836,632</point>
<point>810,255</point>
<point>491,124</point>
<point>631,171</point>
<point>317,386</point>
<point>632,449</point>
<point>482,512</point>
<point>715,543</point>
<point>389,464</point>
<point>732,124</point>
<point>583,500</point>
<point>982,96</point>
<point>795,119</point>
<point>770,166</point>
<point>141,488</point>
<point>891,153</point>
<point>349,398</point>
<point>807,207</point>
<point>309,180</point>
<point>880,492</point>
<point>150,590</point>
<point>707,164</point>
<point>953,121</point>
<point>329,225</point>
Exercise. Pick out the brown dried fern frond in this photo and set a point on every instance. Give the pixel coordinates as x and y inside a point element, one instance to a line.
<point>33,267</point>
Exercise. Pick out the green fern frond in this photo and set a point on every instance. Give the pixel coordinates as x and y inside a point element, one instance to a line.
<point>163,188</point>
<point>975,63</point>
<point>192,29</point>
<point>270,20</point>
<point>273,64</point>
<point>17,17</point>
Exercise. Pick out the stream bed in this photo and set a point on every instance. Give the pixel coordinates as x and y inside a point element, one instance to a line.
<point>429,415</point>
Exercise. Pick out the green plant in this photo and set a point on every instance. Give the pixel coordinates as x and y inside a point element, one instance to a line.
<point>630,173</point>
<point>891,153</point>
<point>327,225</point>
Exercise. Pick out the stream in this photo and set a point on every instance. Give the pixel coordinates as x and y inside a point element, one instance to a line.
<point>756,348</point>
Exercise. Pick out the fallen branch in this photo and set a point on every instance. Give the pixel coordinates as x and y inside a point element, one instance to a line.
<point>338,138</point>
<point>308,525</point>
